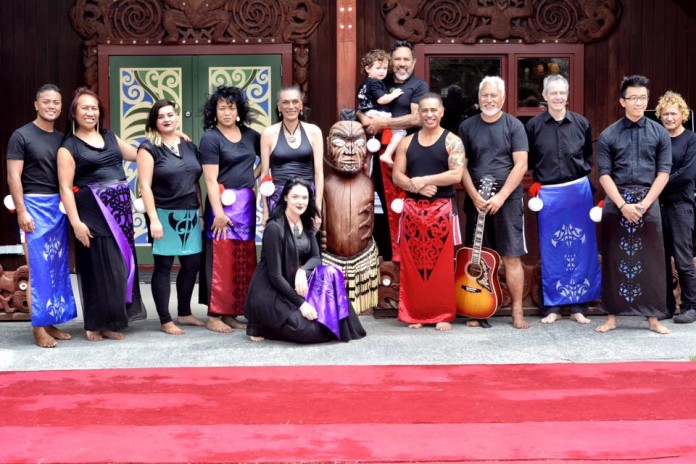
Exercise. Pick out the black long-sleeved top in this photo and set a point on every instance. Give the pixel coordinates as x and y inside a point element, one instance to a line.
<point>632,153</point>
<point>559,151</point>
<point>681,181</point>
<point>272,296</point>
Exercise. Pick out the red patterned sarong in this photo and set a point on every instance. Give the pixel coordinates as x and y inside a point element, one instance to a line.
<point>426,293</point>
<point>233,263</point>
<point>391,193</point>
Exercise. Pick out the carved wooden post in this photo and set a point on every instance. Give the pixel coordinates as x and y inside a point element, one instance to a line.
<point>346,53</point>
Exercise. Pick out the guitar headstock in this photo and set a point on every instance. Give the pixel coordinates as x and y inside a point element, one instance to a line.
<point>487,187</point>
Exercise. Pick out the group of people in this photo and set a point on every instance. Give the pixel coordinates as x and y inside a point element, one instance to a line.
<point>289,295</point>
<point>647,171</point>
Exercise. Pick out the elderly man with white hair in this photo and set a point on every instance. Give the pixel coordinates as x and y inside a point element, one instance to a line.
<point>496,145</point>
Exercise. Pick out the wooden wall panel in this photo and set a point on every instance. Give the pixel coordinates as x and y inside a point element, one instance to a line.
<point>322,68</point>
<point>37,45</point>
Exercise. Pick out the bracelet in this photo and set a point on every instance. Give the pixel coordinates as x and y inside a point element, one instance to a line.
<point>622,206</point>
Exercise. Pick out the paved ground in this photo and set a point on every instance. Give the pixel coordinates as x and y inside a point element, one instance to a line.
<point>388,342</point>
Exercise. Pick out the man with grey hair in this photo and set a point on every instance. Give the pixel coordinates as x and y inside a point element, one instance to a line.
<point>496,145</point>
<point>560,157</point>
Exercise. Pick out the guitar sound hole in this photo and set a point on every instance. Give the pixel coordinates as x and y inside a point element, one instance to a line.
<point>474,270</point>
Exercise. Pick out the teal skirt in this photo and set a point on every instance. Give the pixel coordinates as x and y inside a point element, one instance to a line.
<point>181,233</point>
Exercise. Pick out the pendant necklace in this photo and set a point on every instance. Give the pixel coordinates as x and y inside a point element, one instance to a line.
<point>291,137</point>
<point>296,229</point>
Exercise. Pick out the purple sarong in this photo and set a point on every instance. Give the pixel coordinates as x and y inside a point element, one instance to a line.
<point>327,294</point>
<point>242,213</point>
<point>114,201</point>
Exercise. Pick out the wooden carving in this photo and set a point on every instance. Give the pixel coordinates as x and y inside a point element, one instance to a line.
<point>14,286</point>
<point>529,21</point>
<point>349,214</point>
<point>348,191</point>
<point>196,22</point>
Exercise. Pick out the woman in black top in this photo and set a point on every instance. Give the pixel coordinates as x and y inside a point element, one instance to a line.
<point>96,197</point>
<point>168,173</point>
<point>283,303</point>
<point>229,149</point>
<point>292,149</point>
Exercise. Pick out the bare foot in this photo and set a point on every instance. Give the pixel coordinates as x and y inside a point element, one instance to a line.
<point>580,318</point>
<point>216,325</point>
<point>190,320</point>
<point>607,326</point>
<point>655,326</point>
<point>110,334</point>
<point>473,323</point>
<point>171,329</point>
<point>43,339</point>
<point>518,320</point>
<point>93,335</point>
<point>256,339</point>
<point>233,322</point>
<point>57,333</point>
<point>443,326</point>
<point>387,159</point>
<point>415,326</point>
<point>551,318</point>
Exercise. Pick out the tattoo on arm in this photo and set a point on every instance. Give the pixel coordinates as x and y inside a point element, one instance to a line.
<point>455,147</point>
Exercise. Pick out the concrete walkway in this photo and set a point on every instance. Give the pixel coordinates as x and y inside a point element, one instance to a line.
<point>388,342</point>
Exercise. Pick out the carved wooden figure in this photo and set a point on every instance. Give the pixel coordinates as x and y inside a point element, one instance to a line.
<point>14,286</point>
<point>349,213</point>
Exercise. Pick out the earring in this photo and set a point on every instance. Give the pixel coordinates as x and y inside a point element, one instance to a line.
<point>238,119</point>
<point>73,127</point>
<point>97,126</point>
<point>301,112</point>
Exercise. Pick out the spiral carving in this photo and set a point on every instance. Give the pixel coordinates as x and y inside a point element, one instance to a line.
<point>255,18</point>
<point>136,19</point>
<point>449,17</point>
<point>555,18</point>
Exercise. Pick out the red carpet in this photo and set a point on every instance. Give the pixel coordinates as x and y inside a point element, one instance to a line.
<point>512,413</point>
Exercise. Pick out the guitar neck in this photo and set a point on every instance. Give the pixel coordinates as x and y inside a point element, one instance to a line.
<point>478,239</point>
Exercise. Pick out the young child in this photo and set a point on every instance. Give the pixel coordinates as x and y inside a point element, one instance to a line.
<point>373,97</point>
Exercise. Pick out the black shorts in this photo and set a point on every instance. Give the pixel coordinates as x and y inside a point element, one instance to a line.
<point>504,231</point>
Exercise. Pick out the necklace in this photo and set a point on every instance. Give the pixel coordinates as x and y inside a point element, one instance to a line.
<point>174,147</point>
<point>295,228</point>
<point>291,137</point>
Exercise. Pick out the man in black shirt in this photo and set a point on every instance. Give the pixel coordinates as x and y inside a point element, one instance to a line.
<point>677,206</point>
<point>404,112</point>
<point>496,144</point>
<point>33,180</point>
<point>560,156</point>
<point>634,158</point>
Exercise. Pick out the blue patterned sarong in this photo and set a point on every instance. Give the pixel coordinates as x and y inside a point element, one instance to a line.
<point>52,300</point>
<point>181,233</point>
<point>568,244</point>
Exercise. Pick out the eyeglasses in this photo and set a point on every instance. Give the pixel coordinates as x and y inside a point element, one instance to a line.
<point>637,98</point>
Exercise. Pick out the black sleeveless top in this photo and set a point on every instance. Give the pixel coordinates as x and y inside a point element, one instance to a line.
<point>425,161</point>
<point>287,163</point>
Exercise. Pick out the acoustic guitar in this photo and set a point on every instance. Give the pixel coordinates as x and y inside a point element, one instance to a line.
<point>477,288</point>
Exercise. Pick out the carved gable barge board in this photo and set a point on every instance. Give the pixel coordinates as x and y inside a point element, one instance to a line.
<point>492,21</point>
<point>198,23</point>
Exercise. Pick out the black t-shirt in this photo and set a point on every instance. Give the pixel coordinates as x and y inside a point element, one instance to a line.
<point>38,149</point>
<point>369,92</point>
<point>236,160</point>
<point>175,178</point>
<point>489,146</point>
<point>414,89</point>
<point>92,165</point>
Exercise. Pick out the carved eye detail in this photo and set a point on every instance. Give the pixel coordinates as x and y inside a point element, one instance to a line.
<point>359,143</point>
<point>338,143</point>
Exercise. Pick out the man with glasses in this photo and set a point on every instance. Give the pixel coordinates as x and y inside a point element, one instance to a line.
<point>560,156</point>
<point>634,157</point>
<point>496,145</point>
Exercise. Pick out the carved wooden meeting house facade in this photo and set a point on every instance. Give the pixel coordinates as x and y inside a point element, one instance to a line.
<point>135,51</point>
